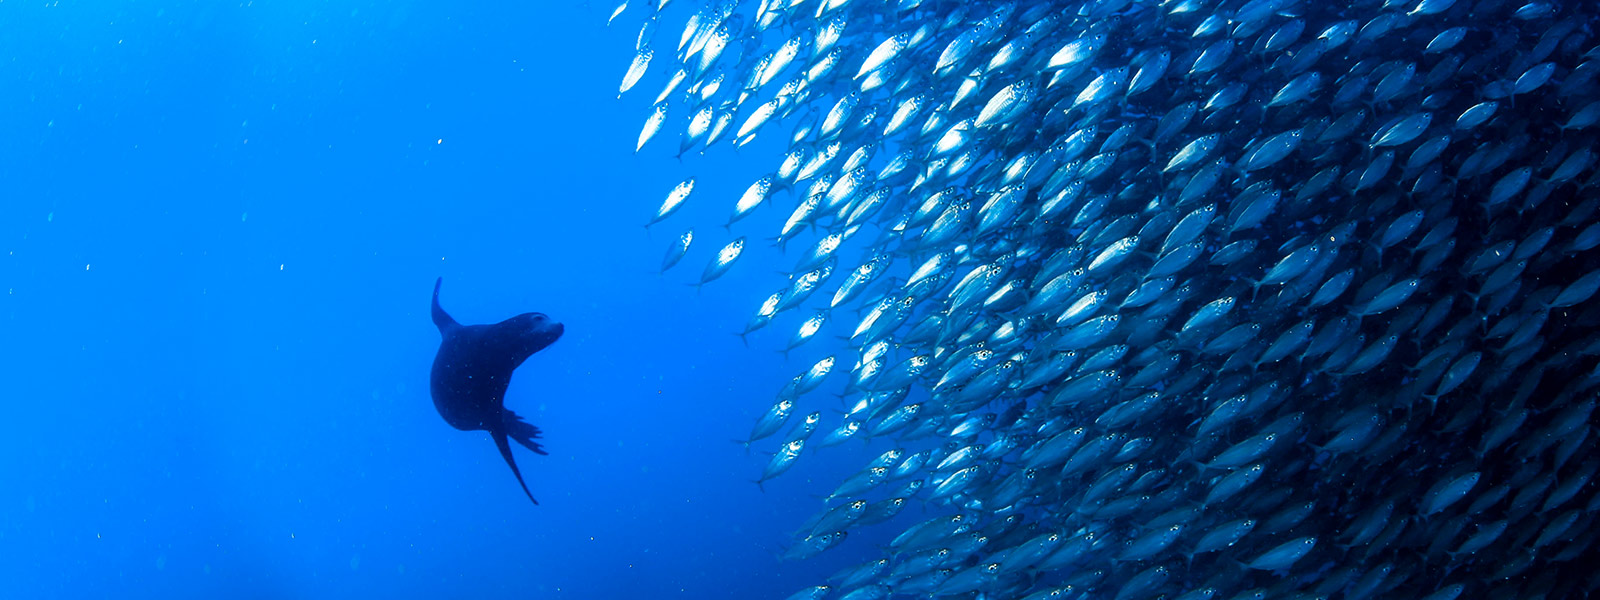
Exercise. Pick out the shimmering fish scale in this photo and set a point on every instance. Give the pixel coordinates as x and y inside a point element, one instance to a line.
<point>1403,246</point>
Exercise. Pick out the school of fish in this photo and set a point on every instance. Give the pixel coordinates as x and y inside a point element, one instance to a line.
<point>1168,298</point>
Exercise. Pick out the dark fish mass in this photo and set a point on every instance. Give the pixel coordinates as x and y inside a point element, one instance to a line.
<point>473,369</point>
<point>1169,299</point>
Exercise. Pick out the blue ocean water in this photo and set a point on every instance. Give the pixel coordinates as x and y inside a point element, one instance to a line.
<point>222,222</point>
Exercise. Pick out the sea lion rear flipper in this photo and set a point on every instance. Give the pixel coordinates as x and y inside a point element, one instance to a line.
<point>522,431</point>
<point>500,442</point>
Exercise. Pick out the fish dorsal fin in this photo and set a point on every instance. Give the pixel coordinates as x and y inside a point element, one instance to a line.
<point>441,319</point>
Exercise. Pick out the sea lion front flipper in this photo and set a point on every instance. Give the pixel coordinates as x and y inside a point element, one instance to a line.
<point>500,442</point>
<point>441,319</point>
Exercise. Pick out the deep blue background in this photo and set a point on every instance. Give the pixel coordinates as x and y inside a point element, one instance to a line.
<point>221,223</point>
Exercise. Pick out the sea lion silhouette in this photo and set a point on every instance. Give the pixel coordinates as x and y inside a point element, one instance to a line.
<point>473,369</point>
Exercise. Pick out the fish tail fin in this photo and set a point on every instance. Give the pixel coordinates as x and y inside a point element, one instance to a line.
<point>504,445</point>
<point>743,338</point>
<point>1433,402</point>
<point>745,444</point>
